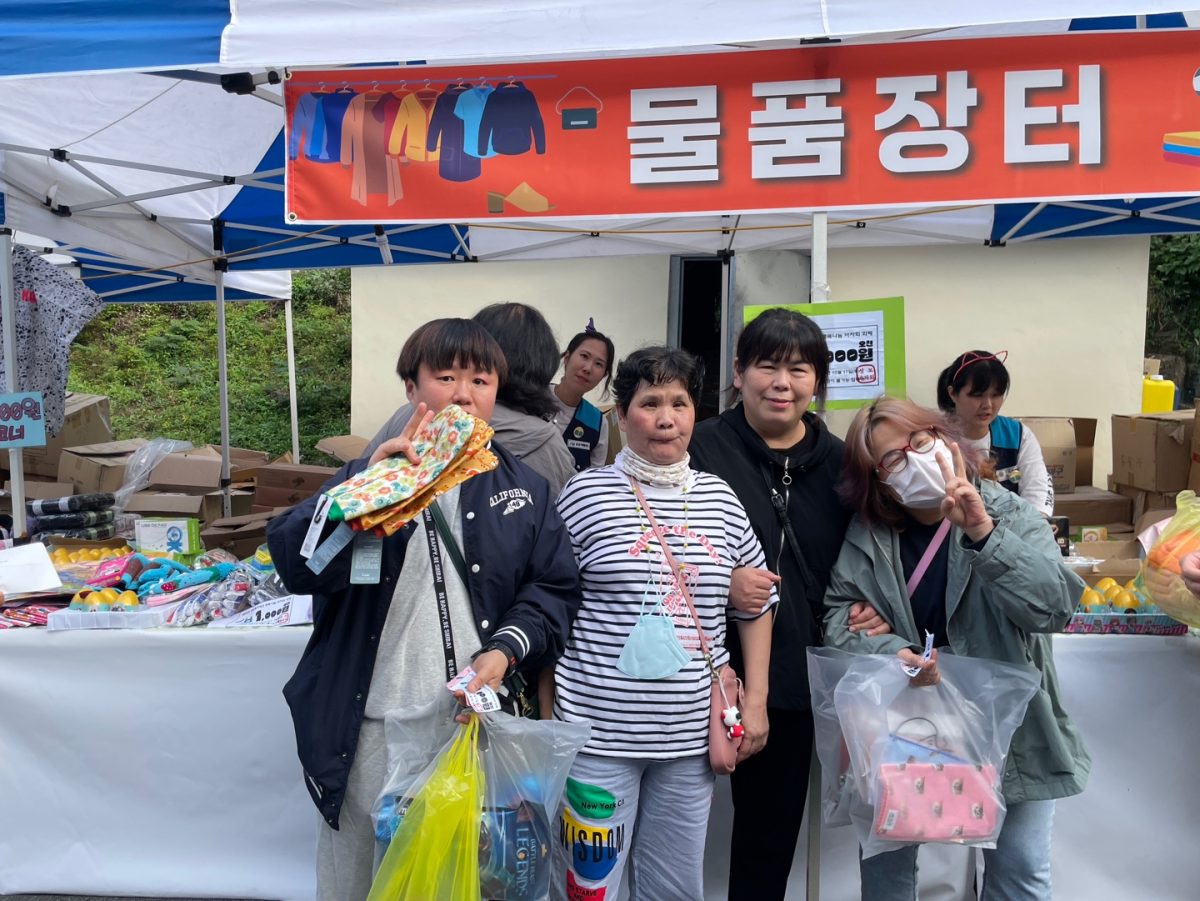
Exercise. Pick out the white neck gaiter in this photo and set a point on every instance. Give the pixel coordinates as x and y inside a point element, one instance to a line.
<point>675,475</point>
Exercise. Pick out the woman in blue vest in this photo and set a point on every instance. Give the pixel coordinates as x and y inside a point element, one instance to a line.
<point>973,389</point>
<point>587,359</point>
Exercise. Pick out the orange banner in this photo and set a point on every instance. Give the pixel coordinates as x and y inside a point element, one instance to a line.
<point>826,127</point>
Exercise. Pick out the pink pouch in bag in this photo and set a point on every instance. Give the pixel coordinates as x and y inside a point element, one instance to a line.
<point>936,802</point>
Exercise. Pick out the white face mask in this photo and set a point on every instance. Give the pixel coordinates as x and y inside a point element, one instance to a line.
<point>920,483</point>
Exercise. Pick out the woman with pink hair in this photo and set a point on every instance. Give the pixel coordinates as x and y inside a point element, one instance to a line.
<point>936,550</point>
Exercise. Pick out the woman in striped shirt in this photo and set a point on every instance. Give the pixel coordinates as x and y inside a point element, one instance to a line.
<point>642,788</point>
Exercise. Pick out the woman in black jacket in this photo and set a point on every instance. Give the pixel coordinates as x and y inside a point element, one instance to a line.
<point>783,463</point>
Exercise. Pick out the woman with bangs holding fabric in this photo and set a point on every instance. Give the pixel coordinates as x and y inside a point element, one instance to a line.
<point>935,549</point>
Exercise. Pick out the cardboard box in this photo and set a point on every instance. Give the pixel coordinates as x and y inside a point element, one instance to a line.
<point>193,469</point>
<point>243,462</point>
<point>1152,517</point>
<point>206,507</point>
<point>343,447</point>
<point>1057,438</point>
<point>1121,569</point>
<point>1128,549</point>
<point>240,535</point>
<point>97,467</point>
<point>1089,506</point>
<point>1085,449</point>
<point>35,491</point>
<point>1153,452</point>
<point>1194,465</point>
<point>85,421</point>
<point>1151,366</point>
<point>1143,500</point>
<point>287,484</point>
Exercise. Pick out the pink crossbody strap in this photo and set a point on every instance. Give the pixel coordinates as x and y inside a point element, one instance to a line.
<point>676,572</point>
<point>930,552</point>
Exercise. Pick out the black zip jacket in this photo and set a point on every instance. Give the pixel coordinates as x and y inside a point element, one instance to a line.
<point>524,587</point>
<point>729,447</point>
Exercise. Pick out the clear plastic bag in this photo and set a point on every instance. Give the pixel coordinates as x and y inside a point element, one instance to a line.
<point>929,760</point>
<point>141,462</point>
<point>524,765</point>
<point>1160,574</point>
<point>826,667</point>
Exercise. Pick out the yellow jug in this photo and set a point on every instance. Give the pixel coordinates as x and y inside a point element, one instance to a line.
<point>1158,394</point>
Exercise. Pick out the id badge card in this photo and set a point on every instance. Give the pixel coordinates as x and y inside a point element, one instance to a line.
<point>366,560</point>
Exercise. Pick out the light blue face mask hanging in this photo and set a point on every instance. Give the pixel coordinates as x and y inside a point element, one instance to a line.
<point>652,650</point>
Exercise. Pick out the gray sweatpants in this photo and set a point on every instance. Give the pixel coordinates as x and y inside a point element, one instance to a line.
<point>346,856</point>
<point>651,814</point>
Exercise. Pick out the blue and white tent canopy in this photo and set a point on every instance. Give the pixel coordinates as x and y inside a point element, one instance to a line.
<point>139,35</point>
<point>170,171</point>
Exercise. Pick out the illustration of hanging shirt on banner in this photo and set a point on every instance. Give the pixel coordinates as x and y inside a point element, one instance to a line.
<point>1085,115</point>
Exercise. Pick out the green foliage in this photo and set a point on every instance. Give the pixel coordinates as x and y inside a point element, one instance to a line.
<point>158,365</point>
<point>1173,307</point>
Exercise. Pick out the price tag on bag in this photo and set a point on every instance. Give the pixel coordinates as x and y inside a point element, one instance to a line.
<point>367,560</point>
<point>313,536</point>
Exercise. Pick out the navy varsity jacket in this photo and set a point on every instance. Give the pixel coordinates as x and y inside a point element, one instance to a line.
<point>524,587</point>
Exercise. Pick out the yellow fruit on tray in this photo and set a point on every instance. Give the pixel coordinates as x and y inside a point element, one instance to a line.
<point>1106,583</point>
<point>1125,600</point>
<point>128,599</point>
<point>1112,591</point>
<point>1091,598</point>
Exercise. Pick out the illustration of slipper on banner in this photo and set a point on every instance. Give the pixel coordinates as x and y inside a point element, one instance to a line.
<point>385,496</point>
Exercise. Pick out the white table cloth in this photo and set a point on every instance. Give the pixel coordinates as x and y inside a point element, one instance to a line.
<point>162,763</point>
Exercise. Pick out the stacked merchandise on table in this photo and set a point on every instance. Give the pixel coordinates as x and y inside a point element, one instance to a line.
<point>86,516</point>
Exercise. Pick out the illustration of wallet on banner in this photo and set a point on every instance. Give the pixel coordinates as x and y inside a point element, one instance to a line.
<point>580,113</point>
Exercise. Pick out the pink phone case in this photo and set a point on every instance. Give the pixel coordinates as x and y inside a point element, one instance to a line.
<point>936,802</point>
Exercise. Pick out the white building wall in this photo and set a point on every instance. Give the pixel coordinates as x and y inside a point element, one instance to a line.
<point>1071,313</point>
<point>627,297</point>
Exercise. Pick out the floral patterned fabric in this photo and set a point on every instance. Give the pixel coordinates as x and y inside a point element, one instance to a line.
<point>383,497</point>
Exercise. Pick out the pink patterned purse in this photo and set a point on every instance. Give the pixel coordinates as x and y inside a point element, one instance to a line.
<point>936,802</point>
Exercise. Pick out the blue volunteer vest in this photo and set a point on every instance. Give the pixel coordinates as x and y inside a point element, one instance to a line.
<point>582,434</point>
<point>1006,444</point>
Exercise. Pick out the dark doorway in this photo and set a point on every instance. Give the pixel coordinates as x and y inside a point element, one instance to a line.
<point>700,323</point>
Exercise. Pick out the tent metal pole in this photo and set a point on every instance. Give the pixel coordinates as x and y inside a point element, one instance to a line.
<point>291,358</point>
<point>223,387</point>
<point>724,369</point>
<point>8,309</point>
<point>819,289</point>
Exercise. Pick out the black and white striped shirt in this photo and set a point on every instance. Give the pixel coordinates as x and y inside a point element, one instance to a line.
<point>619,561</point>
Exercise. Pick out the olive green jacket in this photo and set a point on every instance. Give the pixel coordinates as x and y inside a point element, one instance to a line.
<point>1001,603</point>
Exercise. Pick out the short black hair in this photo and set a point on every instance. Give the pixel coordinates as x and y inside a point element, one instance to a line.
<point>657,365</point>
<point>529,346</point>
<point>445,343</point>
<point>779,334</point>
<point>610,348</point>
<point>975,370</point>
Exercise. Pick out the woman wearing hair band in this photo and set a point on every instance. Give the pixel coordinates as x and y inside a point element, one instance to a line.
<point>771,446</point>
<point>935,550</point>
<point>973,388</point>
<point>641,790</point>
<point>588,358</point>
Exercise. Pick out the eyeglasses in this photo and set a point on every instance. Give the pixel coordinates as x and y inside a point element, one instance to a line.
<point>971,357</point>
<point>919,442</point>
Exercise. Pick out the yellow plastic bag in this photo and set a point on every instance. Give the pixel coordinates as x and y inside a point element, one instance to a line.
<point>1161,571</point>
<point>434,855</point>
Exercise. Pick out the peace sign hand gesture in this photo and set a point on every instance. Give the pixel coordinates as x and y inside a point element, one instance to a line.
<point>402,445</point>
<point>962,505</point>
